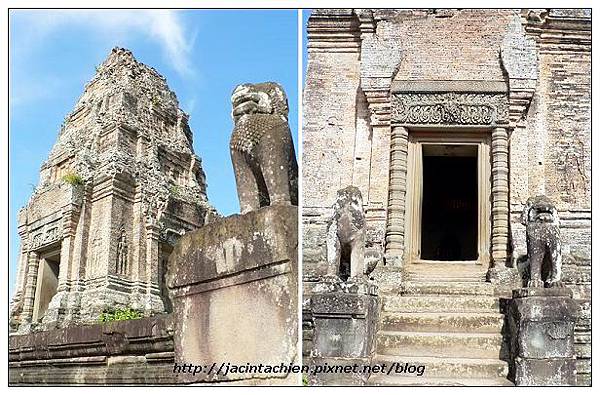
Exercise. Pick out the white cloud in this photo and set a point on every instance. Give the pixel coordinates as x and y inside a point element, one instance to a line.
<point>163,26</point>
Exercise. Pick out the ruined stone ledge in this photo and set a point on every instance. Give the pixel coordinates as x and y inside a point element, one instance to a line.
<point>125,352</point>
<point>135,337</point>
<point>545,372</point>
<point>79,361</point>
<point>344,324</point>
<point>255,274</point>
<point>538,308</point>
<point>354,285</point>
<point>250,243</point>
<point>128,374</point>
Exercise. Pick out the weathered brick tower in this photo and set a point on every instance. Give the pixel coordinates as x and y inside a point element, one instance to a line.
<point>121,184</point>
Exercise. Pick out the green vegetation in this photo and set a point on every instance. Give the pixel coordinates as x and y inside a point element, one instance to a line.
<point>305,380</point>
<point>73,179</point>
<point>174,190</point>
<point>120,315</point>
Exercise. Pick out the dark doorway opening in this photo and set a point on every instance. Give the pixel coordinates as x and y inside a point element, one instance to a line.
<point>47,283</point>
<point>449,217</point>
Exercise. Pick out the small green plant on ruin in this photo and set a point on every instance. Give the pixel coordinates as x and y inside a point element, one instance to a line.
<point>120,315</point>
<point>174,190</point>
<point>73,179</point>
<point>155,100</point>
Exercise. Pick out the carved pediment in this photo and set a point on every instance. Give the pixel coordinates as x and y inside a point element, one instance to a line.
<point>47,235</point>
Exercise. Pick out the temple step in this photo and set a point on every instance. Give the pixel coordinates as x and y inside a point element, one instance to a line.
<point>481,322</point>
<point>440,303</point>
<point>383,380</point>
<point>440,272</point>
<point>431,344</point>
<point>448,288</point>
<point>436,367</point>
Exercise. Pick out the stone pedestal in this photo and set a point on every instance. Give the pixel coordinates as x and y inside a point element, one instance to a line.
<point>541,325</point>
<point>233,284</point>
<point>345,323</point>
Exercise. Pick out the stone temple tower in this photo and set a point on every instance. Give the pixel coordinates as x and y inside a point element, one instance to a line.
<point>121,184</point>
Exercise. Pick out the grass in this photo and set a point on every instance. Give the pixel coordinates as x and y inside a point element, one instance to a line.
<point>73,179</point>
<point>120,315</point>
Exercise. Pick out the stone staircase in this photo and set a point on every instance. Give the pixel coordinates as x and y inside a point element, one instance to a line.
<point>447,318</point>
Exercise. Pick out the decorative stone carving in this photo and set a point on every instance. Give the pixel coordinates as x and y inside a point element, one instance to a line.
<point>543,242</point>
<point>36,241</point>
<point>262,150</point>
<point>500,210</point>
<point>449,108</point>
<point>44,237</point>
<point>122,253</point>
<point>346,255</point>
<point>394,247</point>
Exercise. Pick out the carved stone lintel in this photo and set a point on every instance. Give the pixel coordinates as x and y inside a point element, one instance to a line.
<point>449,108</point>
<point>47,235</point>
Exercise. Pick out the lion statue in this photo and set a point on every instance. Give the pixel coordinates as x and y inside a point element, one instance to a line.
<point>346,251</point>
<point>262,150</point>
<point>540,218</point>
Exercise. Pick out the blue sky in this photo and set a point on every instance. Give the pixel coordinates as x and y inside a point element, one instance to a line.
<point>202,53</point>
<point>305,16</point>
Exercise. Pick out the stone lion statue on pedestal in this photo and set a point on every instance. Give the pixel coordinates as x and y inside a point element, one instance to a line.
<point>261,146</point>
<point>346,251</point>
<point>540,218</point>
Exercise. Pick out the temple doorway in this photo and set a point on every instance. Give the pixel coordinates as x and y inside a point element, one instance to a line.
<point>449,217</point>
<point>448,198</point>
<point>47,283</point>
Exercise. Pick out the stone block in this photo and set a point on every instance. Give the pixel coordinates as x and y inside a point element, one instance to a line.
<point>234,289</point>
<point>541,325</point>
<point>345,322</point>
<point>544,372</point>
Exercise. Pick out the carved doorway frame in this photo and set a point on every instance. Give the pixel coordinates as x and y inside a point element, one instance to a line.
<point>453,108</point>
<point>417,139</point>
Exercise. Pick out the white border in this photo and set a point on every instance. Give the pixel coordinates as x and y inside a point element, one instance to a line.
<point>236,4</point>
